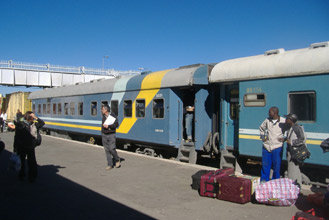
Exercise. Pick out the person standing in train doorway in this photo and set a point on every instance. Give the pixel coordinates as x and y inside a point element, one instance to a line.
<point>271,133</point>
<point>109,125</point>
<point>189,115</point>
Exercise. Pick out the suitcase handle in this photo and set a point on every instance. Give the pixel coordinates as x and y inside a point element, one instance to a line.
<point>215,187</point>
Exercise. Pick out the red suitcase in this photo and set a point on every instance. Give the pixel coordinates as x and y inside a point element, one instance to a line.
<point>209,181</point>
<point>234,189</point>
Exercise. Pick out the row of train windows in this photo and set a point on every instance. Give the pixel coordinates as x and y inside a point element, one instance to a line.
<point>302,103</point>
<point>69,108</point>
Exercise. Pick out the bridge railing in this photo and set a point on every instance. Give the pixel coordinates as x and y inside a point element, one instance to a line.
<point>64,69</point>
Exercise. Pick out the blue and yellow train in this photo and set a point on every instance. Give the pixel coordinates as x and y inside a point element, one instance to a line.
<point>231,99</point>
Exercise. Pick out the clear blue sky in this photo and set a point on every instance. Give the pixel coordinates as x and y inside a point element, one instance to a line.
<point>155,34</point>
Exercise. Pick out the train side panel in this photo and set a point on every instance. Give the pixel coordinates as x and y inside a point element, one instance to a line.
<point>306,96</point>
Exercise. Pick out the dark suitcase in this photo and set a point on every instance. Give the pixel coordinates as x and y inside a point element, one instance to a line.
<point>234,189</point>
<point>209,181</point>
<point>196,178</point>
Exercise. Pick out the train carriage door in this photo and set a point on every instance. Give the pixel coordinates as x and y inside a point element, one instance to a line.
<point>230,116</point>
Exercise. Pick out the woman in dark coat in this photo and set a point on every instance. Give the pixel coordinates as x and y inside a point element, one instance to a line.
<point>25,142</point>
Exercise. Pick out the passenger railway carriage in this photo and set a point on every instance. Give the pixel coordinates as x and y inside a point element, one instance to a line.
<point>231,100</point>
<point>149,108</point>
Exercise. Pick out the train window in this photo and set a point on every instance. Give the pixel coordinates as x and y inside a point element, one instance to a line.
<point>93,108</point>
<point>104,103</point>
<point>54,108</point>
<point>127,108</point>
<point>66,108</point>
<point>44,111</point>
<point>158,108</point>
<point>234,104</point>
<point>140,108</point>
<point>303,104</point>
<point>80,108</point>
<point>115,107</point>
<point>59,108</point>
<point>254,100</point>
<point>48,108</point>
<point>33,107</point>
<point>72,108</point>
<point>39,108</point>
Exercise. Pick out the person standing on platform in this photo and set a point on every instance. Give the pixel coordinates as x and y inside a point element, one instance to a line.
<point>295,137</point>
<point>109,125</point>
<point>25,142</point>
<point>271,133</point>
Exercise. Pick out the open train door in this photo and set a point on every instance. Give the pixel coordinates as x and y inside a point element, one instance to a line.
<point>229,125</point>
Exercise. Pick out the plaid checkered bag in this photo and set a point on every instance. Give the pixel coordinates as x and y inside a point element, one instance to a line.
<point>278,192</point>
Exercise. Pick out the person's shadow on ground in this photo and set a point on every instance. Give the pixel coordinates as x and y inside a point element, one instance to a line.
<point>52,196</point>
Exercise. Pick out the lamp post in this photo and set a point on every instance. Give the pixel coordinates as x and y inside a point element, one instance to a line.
<point>104,57</point>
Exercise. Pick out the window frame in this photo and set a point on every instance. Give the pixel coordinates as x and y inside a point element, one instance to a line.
<point>72,108</point>
<point>66,108</point>
<point>311,107</point>
<point>153,105</point>
<point>59,108</point>
<point>80,109</point>
<point>115,110</point>
<point>124,108</point>
<point>137,110</point>
<point>91,109</point>
<point>54,108</point>
<point>254,105</point>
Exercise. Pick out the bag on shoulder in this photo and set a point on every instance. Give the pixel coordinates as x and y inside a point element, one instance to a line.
<point>38,139</point>
<point>325,145</point>
<point>299,153</point>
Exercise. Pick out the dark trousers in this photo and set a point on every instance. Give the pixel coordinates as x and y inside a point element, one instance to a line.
<point>31,161</point>
<point>110,148</point>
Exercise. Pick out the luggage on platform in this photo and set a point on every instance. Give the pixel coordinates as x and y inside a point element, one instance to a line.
<point>196,178</point>
<point>278,192</point>
<point>234,189</point>
<point>255,181</point>
<point>209,181</point>
<point>306,215</point>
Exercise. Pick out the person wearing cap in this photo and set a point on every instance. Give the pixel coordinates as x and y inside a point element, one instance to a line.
<point>295,137</point>
<point>271,133</point>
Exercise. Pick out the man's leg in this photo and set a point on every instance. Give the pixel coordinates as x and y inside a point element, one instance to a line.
<point>276,159</point>
<point>266,165</point>
<point>106,145</point>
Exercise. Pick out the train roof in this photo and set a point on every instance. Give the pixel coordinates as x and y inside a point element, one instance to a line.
<point>183,76</point>
<point>274,63</point>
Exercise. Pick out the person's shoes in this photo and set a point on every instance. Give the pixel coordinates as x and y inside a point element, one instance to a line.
<point>108,168</point>
<point>118,164</point>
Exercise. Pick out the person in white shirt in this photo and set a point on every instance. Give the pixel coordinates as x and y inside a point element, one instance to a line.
<point>271,132</point>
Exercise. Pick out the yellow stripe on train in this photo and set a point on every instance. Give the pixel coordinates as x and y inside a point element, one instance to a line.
<point>256,137</point>
<point>98,128</point>
<point>149,88</point>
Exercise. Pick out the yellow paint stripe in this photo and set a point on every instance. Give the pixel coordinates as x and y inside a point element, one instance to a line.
<point>149,88</point>
<point>255,137</point>
<point>74,126</point>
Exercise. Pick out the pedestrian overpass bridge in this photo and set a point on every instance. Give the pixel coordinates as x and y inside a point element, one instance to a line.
<point>46,75</point>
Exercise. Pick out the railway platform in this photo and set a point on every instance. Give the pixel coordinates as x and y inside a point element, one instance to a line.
<point>73,184</point>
